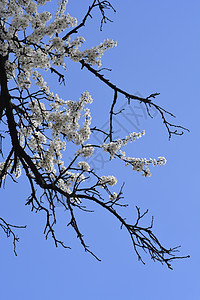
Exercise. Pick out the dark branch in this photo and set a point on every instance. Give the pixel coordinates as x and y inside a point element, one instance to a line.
<point>8,230</point>
<point>171,128</point>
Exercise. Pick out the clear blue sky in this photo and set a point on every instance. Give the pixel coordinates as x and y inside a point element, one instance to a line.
<point>158,51</point>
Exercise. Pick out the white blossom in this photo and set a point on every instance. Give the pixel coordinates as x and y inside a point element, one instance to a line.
<point>113,196</point>
<point>84,165</point>
<point>110,180</point>
<point>86,151</point>
<point>115,146</point>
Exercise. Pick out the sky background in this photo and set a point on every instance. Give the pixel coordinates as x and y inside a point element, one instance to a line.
<point>158,51</point>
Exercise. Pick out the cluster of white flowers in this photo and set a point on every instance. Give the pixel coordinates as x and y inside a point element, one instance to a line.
<point>48,158</point>
<point>17,170</point>
<point>39,112</point>
<point>39,81</point>
<point>37,141</point>
<point>114,147</point>
<point>10,69</point>
<point>86,151</point>
<point>67,183</point>
<point>142,164</point>
<point>61,119</point>
<point>91,56</point>
<point>110,180</point>
<point>84,165</point>
<point>160,162</point>
<point>65,118</point>
<point>113,196</point>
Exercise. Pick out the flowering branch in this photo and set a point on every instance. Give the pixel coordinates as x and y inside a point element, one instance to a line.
<point>41,125</point>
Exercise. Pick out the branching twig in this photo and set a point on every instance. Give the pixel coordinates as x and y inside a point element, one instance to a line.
<point>171,128</point>
<point>7,228</point>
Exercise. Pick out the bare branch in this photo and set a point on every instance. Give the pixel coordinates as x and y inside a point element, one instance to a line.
<point>171,128</point>
<point>8,230</point>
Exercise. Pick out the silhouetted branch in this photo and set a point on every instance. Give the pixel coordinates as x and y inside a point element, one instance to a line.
<point>171,128</point>
<point>8,230</point>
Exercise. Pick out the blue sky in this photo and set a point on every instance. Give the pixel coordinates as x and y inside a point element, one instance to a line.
<point>158,51</point>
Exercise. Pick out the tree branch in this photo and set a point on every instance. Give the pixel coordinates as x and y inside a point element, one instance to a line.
<point>171,128</point>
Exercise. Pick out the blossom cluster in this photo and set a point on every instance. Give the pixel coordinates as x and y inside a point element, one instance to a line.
<point>110,180</point>
<point>115,146</point>
<point>67,183</point>
<point>142,164</point>
<point>91,56</point>
<point>63,120</point>
<point>84,165</point>
<point>7,167</point>
<point>65,116</point>
<point>86,151</point>
<point>113,196</point>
